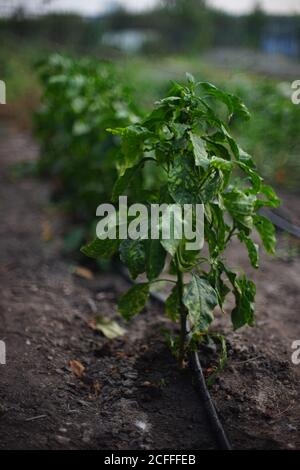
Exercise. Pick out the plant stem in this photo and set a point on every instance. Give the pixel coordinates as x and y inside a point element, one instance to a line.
<point>183,315</point>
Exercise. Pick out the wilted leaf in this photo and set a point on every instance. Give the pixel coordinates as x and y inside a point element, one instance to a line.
<point>109,328</point>
<point>47,231</point>
<point>83,272</point>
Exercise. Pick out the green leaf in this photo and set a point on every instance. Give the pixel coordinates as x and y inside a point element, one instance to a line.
<point>218,149</point>
<point>133,301</point>
<point>132,253</point>
<point>254,177</point>
<point>245,158</point>
<point>200,298</point>
<point>187,259</point>
<point>267,232</point>
<point>219,225</point>
<point>123,182</point>
<point>129,178</point>
<point>183,183</point>
<point>212,186</point>
<point>190,78</point>
<point>220,164</point>
<point>253,249</point>
<point>215,279</point>
<point>172,220</point>
<point>244,311</point>
<point>155,258</point>
<point>157,117</point>
<point>233,103</point>
<point>132,143</point>
<point>240,206</point>
<point>200,153</point>
<point>101,248</point>
<point>172,305</point>
<point>270,194</point>
<point>272,198</point>
<point>232,143</point>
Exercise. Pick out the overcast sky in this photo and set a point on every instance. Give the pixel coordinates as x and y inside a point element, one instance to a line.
<point>92,7</point>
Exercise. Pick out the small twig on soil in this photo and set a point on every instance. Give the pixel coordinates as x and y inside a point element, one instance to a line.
<point>36,417</point>
<point>248,360</point>
<point>282,412</point>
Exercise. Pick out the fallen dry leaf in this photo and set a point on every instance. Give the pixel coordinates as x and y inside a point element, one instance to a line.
<point>121,354</point>
<point>209,371</point>
<point>109,328</point>
<point>77,368</point>
<point>83,272</point>
<point>97,388</point>
<point>147,384</point>
<point>47,231</point>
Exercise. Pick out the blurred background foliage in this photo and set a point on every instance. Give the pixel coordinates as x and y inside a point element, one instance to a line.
<point>254,55</point>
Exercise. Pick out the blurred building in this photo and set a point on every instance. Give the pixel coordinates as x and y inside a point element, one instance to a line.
<point>280,36</point>
<point>129,40</point>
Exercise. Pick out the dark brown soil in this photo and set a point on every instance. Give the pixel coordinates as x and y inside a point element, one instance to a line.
<point>132,395</point>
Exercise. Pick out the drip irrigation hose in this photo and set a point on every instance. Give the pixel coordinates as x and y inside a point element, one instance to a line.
<point>281,222</point>
<point>195,365</point>
<point>215,423</point>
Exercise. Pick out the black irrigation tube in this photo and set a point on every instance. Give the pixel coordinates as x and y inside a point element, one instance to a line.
<point>195,364</point>
<point>281,223</point>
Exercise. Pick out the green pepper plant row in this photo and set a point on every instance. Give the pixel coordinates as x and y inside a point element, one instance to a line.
<point>80,99</point>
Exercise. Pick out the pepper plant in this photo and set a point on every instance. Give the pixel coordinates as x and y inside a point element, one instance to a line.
<point>81,98</point>
<point>187,138</point>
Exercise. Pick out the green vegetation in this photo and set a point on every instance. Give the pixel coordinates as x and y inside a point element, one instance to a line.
<point>271,135</point>
<point>81,98</point>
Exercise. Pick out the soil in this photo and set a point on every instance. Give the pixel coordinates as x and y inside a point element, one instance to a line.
<point>131,394</point>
